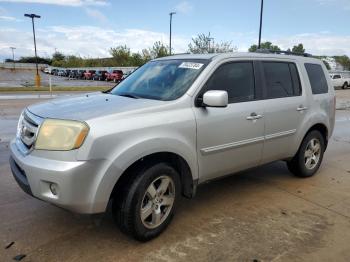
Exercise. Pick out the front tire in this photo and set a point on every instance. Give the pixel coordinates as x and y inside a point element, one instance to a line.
<point>147,206</point>
<point>309,156</point>
<point>345,85</point>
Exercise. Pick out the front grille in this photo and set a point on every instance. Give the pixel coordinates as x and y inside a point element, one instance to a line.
<point>28,129</point>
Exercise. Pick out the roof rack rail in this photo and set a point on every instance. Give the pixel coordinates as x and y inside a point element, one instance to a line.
<point>185,53</point>
<point>281,52</point>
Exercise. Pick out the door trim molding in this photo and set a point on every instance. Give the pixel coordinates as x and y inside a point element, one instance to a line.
<point>280,134</point>
<point>229,146</point>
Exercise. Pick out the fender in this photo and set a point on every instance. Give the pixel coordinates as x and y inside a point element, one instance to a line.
<point>314,118</point>
<point>126,156</point>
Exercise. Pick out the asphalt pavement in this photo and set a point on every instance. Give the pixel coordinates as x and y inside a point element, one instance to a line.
<point>263,214</point>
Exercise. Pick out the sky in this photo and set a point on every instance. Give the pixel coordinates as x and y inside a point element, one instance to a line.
<point>89,28</point>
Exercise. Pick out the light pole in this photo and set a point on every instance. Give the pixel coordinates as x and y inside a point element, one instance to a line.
<point>261,19</point>
<point>171,19</point>
<point>13,57</point>
<point>37,76</point>
<point>209,41</point>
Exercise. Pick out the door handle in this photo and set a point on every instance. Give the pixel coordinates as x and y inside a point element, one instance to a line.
<point>301,108</point>
<point>254,116</point>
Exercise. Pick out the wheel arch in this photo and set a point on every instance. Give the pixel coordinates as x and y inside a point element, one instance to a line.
<point>175,160</point>
<point>322,128</point>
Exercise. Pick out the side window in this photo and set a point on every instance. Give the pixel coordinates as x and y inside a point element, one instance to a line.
<point>236,78</point>
<point>337,77</point>
<point>317,78</point>
<point>279,79</point>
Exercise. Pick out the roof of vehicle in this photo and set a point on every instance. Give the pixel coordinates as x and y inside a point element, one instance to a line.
<point>220,56</point>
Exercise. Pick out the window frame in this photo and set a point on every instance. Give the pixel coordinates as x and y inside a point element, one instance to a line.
<point>257,83</point>
<point>264,82</point>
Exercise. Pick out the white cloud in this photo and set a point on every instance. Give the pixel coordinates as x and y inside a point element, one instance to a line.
<point>95,41</point>
<point>317,43</point>
<point>96,14</point>
<point>9,18</point>
<point>341,4</point>
<point>87,41</point>
<point>184,7</point>
<point>61,2</point>
<point>322,43</point>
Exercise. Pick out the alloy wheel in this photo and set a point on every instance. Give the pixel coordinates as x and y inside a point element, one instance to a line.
<point>312,153</point>
<point>157,202</point>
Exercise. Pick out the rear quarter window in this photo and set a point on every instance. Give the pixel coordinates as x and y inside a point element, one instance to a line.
<point>317,78</point>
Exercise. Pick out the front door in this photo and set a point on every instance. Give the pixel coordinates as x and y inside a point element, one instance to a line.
<point>230,139</point>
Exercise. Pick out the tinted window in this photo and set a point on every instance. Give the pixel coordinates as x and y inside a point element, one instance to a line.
<point>317,78</point>
<point>235,78</point>
<point>279,81</point>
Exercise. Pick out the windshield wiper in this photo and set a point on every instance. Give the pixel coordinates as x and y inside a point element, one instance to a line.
<point>128,95</point>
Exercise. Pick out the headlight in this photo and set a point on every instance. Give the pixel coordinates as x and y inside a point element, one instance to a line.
<point>61,135</point>
<point>19,125</point>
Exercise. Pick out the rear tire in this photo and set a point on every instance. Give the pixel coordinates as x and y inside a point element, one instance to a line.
<point>345,85</point>
<point>309,156</point>
<point>147,205</point>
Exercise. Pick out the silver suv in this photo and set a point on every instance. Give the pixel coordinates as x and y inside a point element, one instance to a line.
<point>173,124</point>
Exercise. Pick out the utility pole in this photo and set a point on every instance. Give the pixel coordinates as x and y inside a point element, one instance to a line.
<point>171,19</point>
<point>37,76</point>
<point>13,57</point>
<point>261,20</point>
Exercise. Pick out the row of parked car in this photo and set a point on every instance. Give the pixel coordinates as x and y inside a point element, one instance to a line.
<point>98,75</point>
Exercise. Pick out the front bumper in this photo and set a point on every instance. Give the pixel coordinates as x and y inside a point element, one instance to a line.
<point>75,182</point>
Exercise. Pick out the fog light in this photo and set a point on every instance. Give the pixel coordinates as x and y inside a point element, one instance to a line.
<point>53,188</point>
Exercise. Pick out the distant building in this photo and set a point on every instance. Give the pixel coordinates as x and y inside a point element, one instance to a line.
<point>333,64</point>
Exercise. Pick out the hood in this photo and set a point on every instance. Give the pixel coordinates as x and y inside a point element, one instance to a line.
<point>88,106</point>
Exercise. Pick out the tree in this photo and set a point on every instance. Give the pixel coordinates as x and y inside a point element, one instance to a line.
<point>58,59</point>
<point>146,55</point>
<point>344,61</point>
<point>32,59</point>
<point>137,59</point>
<point>159,50</point>
<point>57,56</point>
<point>121,55</point>
<point>266,45</point>
<point>74,61</point>
<point>298,49</point>
<point>204,44</point>
<point>200,44</point>
<point>223,47</point>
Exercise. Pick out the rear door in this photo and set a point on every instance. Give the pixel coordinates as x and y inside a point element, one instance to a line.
<point>230,139</point>
<point>285,108</point>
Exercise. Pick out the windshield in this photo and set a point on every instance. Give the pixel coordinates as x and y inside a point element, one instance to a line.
<point>161,80</point>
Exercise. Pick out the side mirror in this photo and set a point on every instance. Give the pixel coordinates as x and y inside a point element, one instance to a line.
<point>215,98</point>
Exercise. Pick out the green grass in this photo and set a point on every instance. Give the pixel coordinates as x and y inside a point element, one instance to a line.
<point>54,89</point>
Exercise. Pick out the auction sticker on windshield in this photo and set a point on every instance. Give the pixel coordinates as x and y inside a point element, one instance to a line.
<point>191,65</point>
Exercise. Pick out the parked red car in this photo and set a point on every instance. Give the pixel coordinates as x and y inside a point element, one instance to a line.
<point>88,75</point>
<point>116,76</point>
